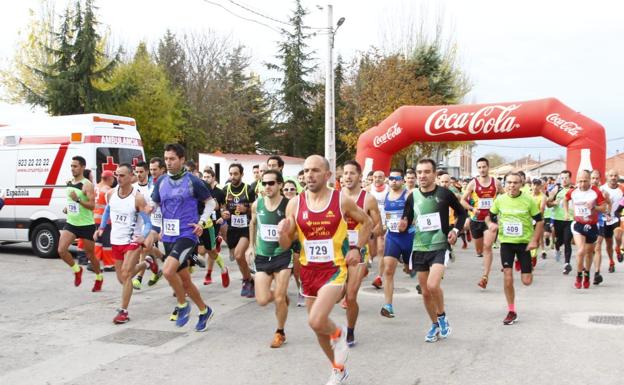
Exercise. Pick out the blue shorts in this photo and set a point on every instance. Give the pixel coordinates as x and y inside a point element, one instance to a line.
<point>156,229</point>
<point>399,246</point>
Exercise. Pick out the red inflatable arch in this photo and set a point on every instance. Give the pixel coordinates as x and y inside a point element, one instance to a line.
<point>549,118</point>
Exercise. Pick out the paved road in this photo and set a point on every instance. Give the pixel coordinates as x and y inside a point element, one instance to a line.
<point>53,333</point>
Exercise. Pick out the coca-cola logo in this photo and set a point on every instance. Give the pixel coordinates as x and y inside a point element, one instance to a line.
<point>569,127</point>
<point>390,134</point>
<point>497,119</point>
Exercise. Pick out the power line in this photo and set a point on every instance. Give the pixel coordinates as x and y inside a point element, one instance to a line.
<point>242,17</point>
<point>271,18</point>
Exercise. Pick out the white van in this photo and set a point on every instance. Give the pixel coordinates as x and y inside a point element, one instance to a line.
<point>35,158</point>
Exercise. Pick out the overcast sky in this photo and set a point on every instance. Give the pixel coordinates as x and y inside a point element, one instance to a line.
<point>510,51</point>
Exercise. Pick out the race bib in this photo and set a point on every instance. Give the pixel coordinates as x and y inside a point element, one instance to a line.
<point>171,227</point>
<point>581,211</point>
<point>353,237</point>
<point>157,218</point>
<point>121,219</point>
<point>73,207</point>
<point>429,222</point>
<point>319,250</point>
<point>512,229</point>
<point>485,203</point>
<point>392,222</point>
<point>239,221</point>
<point>268,233</point>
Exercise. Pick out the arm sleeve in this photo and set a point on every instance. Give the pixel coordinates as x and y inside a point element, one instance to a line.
<point>147,223</point>
<point>105,217</point>
<point>408,211</point>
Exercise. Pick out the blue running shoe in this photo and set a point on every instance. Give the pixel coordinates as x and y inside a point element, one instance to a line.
<point>202,324</point>
<point>245,289</point>
<point>445,328</point>
<point>432,335</point>
<point>387,311</point>
<point>183,315</point>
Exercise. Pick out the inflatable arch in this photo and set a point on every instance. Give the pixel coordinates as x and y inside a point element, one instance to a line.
<point>584,138</point>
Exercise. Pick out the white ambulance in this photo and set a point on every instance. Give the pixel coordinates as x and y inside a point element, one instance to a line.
<point>35,158</point>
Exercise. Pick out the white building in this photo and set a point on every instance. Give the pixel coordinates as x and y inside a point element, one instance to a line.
<point>221,162</point>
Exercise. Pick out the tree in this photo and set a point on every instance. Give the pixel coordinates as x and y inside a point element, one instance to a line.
<point>495,159</point>
<point>154,105</point>
<point>172,58</point>
<point>294,113</point>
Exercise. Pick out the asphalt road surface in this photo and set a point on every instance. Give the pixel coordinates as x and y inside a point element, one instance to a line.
<point>54,333</point>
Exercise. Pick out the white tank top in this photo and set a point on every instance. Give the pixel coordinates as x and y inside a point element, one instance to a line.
<point>380,197</point>
<point>615,196</point>
<point>123,216</point>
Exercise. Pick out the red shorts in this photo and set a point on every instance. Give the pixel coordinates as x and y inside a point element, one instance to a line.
<point>316,275</point>
<point>119,251</point>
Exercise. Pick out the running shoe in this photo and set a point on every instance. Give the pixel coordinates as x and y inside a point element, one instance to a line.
<point>78,277</point>
<point>225,278</point>
<point>350,338</point>
<point>252,290</point>
<point>109,269</point>
<point>483,282</point>
<point>174,315</point>
<point>544,255</point>
<point>479,255</point>
<point>517,265</point>
<point>597,278</point>
<point>245,288</point>
<point>218,240</point>
<point>567,269</point>
<point>611,267</point>
<point>208,278</point>
<point>278,340</point>
<point>155,278</point>
<point>300,300</point>
<point>121,317</point>
<point>586,281</point>
<point>340,347</point>
<point>432,335</point>
<point>579,282</point>
<point>452,255</point>
<point>557,255</point>
<point>183,315</point>
<point>202,323</point>
<point>151,264</point>
<point>198,260</point>
<point>97,285</point>
<point>136,284</point>
<point>445,328</point>
<point>419,289</point>
<point>377,282</point>
<point>620,257</point>
<point>387,311</point>
<point>511,318</point>
<point>338,377</point>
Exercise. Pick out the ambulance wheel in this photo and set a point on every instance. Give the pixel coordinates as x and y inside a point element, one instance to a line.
<point>45,239</point>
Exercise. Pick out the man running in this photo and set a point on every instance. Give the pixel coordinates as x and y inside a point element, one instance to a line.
<point>125,205</point>
<point>537,194</point>
<point>562,219</point>
<point>512,215</point>
<point>410,180</point>
<point>316,218</point>
<point>586,202</point>
<point>178,194</point>
<point>352,174</point>
<point>398,245</point>
<point>379,189</point>
<point>482,190</point>
<point>428,208</point>
<point>103,251</point>
<point>273,263</point>
<point>80,222</point>
<point>611,229</point>
<point>238,199</point>
<point>210,239</point>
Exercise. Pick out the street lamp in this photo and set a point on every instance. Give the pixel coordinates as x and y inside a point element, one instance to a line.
<point>330,119</point>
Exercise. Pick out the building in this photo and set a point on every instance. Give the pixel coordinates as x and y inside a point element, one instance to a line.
<point>458,162</point>
<point>220,163</point>
<point>531,167</point>
<point>616,162</point>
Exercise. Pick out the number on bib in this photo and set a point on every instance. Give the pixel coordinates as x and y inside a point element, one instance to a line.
<point>581,211</point>
<point>512,229</point>
<point>171,227</point>
<point>73,207</point>
<point>319,250</point>
<point>268,233</point>
<point>485,203</point>
<point>120,219</point>
<point>392,222</point>
<point>157,218</point>
<point>353,237</point>
<point>239,221</point>
<point>429,222</point>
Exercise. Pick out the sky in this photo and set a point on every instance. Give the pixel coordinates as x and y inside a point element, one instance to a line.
<point>510,51</point>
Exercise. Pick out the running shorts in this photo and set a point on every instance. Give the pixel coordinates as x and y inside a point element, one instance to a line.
<point>510,251</point>
<point>234,234</point>
<point>314,276</point>
<point>81,232</point>
<point>119,251</point>
<point>181,249</point>
<point>589,231</point>
<point>477,228</point>
<point>423,260</point>
<point>272,265</point>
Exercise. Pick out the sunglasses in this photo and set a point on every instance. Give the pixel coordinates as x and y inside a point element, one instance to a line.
<point>269,183</point>
<point>395,178</point>
<point>289,189</point>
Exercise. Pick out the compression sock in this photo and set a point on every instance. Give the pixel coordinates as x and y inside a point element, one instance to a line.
<point>99,277</point>
<point>219,261</point>
<point>75,267</point>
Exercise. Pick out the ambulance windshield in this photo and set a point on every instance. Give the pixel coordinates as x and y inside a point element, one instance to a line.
<point>108,158</point>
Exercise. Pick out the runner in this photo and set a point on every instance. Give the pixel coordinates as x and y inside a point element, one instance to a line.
<point>316,218</point>
<point>379,189</point>
<point>210,239</point>
<point>562,223</point>
<point>145,188</point>
<point>178,194</point>
<point>444,180</point>
<point>256,186</point>
<point>512,215</point>
<point>157,169</point>
<point>410,180</point>
<point>238,199</point>
<point>103,251</point>
<point>125,205</point>
<point>398,245</point>
<point>611,229</point>
<point>290,191</point>
<point>482,190</point>
<point>352,174</point>
<point>549,240</point>
<point>586,202</point>
<point>273,263</point>
<point>428,208</point>
<point>537,194</point>
<point>80,222</point>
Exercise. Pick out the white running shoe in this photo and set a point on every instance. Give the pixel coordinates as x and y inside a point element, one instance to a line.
<point>300,300</point>
<point>338,377</point>
<point>340,347</point>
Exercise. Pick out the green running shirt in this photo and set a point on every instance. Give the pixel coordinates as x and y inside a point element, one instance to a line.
<point>77,214</point>
<point>515,217</point>
<point>267,238</point>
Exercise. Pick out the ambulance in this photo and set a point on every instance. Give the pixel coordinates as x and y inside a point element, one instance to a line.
<point>35,159</point>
